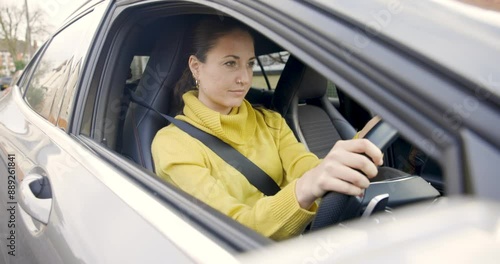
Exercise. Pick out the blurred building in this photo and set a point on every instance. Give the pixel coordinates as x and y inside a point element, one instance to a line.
<point>7,63</point>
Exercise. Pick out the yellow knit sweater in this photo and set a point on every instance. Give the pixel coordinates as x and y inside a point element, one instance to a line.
<point>263,137</point>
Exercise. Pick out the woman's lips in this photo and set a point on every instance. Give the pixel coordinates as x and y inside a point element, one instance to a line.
<point>237,92</point>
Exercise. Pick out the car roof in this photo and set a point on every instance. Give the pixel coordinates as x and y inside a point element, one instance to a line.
<point>462,38</point>
<point>459,39</point>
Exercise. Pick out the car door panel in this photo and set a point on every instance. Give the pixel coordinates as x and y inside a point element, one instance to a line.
<point>81,202</point>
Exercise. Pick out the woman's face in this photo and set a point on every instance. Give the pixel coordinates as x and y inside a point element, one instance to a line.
<point>226,75</point>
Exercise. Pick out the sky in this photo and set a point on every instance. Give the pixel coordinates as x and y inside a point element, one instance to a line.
<point>56,11</point>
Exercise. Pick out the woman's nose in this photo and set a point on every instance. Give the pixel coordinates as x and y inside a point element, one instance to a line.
<point>246,76</point>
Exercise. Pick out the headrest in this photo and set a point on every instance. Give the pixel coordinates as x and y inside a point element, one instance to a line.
<point>297,82</point>
<point>312,85</point>
<point>166,63</point>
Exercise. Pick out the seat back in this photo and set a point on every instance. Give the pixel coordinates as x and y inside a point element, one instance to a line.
<point>165,66</point>
<point>301,98</point>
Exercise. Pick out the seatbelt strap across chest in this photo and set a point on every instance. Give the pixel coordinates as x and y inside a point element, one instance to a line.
<point>255,175</point>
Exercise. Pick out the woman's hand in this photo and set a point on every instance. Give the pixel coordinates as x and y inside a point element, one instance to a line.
<point>340,171</point>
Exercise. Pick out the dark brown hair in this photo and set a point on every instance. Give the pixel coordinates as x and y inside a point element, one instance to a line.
<point>205,34</point>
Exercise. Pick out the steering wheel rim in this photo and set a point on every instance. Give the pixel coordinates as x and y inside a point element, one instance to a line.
<point>336,207</point>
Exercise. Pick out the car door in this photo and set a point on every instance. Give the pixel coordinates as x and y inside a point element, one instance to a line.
<point>79,202</point>
<point>60,208</point>
<point>34,158</point>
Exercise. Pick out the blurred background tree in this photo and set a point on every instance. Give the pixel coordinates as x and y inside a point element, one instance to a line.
<point>16,21</point>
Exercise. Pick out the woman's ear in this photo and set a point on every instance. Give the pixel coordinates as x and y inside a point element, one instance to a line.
<point>194,66</point>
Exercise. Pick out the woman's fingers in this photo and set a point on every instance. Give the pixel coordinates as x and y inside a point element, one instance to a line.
<point>363,146</point>
<point>340,171</point>
<point>351,176</point>
<point>316,182</point>
<point>357,162</point>
<point>340,186</point>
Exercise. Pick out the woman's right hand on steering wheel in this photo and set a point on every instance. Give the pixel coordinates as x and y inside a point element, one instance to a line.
<point>345,169</point>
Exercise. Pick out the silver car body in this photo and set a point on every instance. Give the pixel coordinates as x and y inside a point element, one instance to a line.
<point>101,208</point>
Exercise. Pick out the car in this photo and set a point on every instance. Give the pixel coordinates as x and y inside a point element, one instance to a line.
<point>75,132</point>
<point>5,82</point>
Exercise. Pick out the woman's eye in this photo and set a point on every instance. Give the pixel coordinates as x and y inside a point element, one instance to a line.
<point>230,63</point>
<point>251,64</point>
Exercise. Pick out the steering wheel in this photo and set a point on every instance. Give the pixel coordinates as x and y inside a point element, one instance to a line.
<point>336,207</point>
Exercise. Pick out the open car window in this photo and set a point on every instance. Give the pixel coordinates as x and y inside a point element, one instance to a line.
<point>147,57</point>
<point>267,71</point>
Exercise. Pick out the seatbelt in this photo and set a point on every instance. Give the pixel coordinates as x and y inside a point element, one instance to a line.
<point>255,175</point>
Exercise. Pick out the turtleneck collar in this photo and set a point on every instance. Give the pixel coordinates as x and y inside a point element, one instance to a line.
<point>236,127</point>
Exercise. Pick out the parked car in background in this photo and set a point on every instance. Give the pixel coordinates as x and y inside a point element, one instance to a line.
<point>78,182</point>
<point>5,82</point>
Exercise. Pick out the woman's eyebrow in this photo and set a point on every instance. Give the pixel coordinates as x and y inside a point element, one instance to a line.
<point>232,56</point>
<point>237,57</point>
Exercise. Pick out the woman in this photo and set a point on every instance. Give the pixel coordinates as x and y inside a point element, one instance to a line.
<point>218,77</point>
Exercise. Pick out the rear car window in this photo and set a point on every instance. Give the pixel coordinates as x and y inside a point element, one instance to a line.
<point>272,66</point>
<point>52,86</point>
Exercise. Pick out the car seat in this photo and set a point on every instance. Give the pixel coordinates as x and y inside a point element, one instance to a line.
<point>167,61</point>
<point>301,98</point>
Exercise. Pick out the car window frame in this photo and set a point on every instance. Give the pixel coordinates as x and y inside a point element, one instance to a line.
<point>94,14</point>
<point>86,82</point>
<point>296,44</point>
